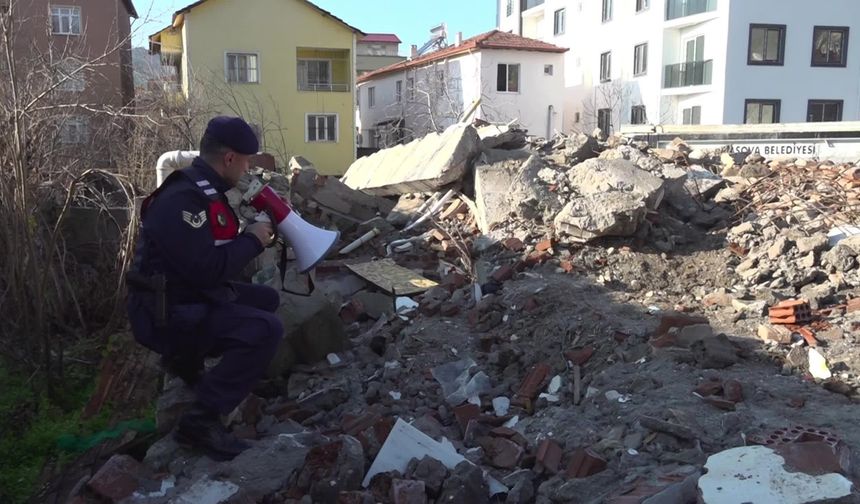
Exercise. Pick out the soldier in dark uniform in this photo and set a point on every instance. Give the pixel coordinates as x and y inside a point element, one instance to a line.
<point>183,303</point>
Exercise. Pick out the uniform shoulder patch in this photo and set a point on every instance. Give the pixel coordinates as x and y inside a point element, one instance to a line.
<point>194,220</point>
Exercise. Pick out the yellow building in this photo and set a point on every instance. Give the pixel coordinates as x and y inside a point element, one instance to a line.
<point>286,66</point>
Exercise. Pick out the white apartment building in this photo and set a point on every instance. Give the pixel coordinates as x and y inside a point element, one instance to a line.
<point>516,78</point>
<point>699,61</point>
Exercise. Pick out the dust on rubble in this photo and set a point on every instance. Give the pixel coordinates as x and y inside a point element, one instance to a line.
<point>599,321</point>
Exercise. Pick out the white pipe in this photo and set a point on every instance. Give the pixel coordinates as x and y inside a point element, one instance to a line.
<point>424,206</point>
<point>170,161</point>
<point>366,237</point>
<point>433,210</point>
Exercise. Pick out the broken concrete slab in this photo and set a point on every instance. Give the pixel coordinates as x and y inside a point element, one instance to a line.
<point>759,474</point>
<point>607,214</point>
<point>423,165</point>
<point>600,176</point>
<point>512,187</point>
<point>333,195</point>
<point>580,147</point>
<point>501,136</point>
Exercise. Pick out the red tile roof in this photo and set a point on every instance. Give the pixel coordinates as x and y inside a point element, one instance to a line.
<point>491,40</point>
<point>387,38</point>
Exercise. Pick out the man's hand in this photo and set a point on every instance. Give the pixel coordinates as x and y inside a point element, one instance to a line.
<point>263,231</point>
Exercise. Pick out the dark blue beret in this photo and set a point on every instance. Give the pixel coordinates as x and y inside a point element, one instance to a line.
<point>234,133</point>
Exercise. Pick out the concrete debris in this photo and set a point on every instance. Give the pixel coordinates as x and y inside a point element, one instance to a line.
<point>584,319</point>
<point>425,164</point>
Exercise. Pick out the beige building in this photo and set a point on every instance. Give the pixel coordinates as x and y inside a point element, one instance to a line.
<point>377,50</point>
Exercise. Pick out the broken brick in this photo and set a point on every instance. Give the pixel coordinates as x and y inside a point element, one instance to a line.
<point>503,274</point>
<point>503,453</point>
<point>677,320</point>
<point>584,463</point>
<point>354,425</point>
<point>352,311</point>
<point>514,244</point>
<point>567,266</point>
<point>536,258</point>
<point>430,307</point>
<point>709,388</point>
<point>797,402</point>
<point>853,305</point>
<point>721,403</point>
<point>534,380</point>
<point>449,309</point>
<point>579,356</point>
<point>733,391</point>
<point>543,245</point>
<point>808,336</point>
<point>408,492</point>
<point>454,280</point>
<point>117,478</point>
<point>548,456</point>
<point>465,413</point>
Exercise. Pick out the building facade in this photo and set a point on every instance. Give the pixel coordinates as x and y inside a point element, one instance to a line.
<point>377,50</point>
<point>517,79</point>
<point>81,51</point>
<point>286,66</point>
<point>699,61</point>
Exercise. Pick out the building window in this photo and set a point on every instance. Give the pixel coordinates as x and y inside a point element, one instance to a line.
<point>558,22</point>
<point>371,96</point>
<point>74,130</point>
<point>604,120</point>
<point>508,78</point>
<point>607,11</point>
<point>69,80</point>
<point>510,8</point>
<point>314,75</point>
<point>398,91</point>
<point>242,68</point>
<point>605,67</point>
<point>410,87</point>
<point>692,115</point>
<point>830,46</point>
<point>321,128</point>
<point>642,5</point>
<point>547,69</point>
<point>767,45</point>
<point>640,59</point>
<point>576,117</point>
<point>65,20</point>
<point>637,115</point>
<point>824,111</point>
<point>761,111</point>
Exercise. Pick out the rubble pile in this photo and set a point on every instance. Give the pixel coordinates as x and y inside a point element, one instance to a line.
<point>577,319</point>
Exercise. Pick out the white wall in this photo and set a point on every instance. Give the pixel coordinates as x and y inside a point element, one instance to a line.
<point>726,33</point>
<point>797,81</point>
<point>538,91</point>
<point>468,77</point>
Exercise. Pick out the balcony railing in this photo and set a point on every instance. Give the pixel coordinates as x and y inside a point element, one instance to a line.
<point>336,87</point>
<point>528,4</point>
<point>680,8</point>
<point>691,73</point>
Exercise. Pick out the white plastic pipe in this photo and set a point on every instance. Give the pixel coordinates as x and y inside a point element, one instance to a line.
<point>170,161</point>
<point>366,237</point>
<point>433,210</point>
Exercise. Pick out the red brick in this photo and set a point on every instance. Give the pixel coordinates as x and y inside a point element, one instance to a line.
<point>567,266</point>
<point>503,453</point>
<point>579,356</point>
<point>536,258</point>
<point>503,274</point>
<point>449,309</point>
<point>853,305</point>
<point>677,320</point>
<point>454,280</point>
<point>584,463</point>
<point>733,391</point>
<point>430,307</point>
<point>117,478</point>
<point>709,388</point>
<point>353,425</point>
<point>466,412</point>
<point>531,305</point>
<point>548,456</point>
<point>719,402</point>
<point>793,311</point>
<point>543,245</point>
<point>533,381</point>
<point>513,244</point>
<point>408,492</point>
<point>352,312</point>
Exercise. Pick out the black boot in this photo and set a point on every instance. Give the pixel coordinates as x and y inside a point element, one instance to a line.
<point>189,371</point>
<point>201,428</point>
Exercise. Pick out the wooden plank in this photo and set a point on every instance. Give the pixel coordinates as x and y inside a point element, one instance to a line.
<point>389,276</point>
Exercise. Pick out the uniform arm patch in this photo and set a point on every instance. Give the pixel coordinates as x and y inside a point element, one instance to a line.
<point>196,221</point>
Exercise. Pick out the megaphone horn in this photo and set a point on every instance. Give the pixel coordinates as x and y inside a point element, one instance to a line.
<point>310,243</point>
